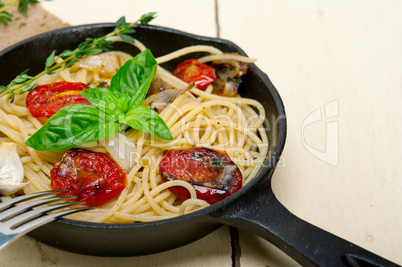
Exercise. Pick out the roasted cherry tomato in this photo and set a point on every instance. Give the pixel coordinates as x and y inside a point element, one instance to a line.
<point>213,175</point>
<point>93,177</point>
<point>193,71</point>
<point>46,100</point>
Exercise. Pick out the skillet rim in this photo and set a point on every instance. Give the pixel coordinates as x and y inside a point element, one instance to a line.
<point>264,173</point>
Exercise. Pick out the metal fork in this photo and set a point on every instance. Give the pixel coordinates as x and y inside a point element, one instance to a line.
<point>25,213</point>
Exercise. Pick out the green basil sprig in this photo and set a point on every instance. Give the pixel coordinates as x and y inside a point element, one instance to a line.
<point>75,125</point>
<point>91,46</point>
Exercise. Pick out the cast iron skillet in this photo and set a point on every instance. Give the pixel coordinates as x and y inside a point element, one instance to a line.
<point>254,208</point>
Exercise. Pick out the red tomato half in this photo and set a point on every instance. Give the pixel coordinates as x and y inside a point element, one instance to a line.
<point>193,71</point>
<point>93,177</point>
<point>46,100</point>
<point>213,175</point>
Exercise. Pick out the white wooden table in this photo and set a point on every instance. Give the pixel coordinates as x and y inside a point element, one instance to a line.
<point>338,59</point>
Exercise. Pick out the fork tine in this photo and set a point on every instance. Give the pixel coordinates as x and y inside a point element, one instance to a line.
<point>9,203</point>
<point>29,217</point>
<point>47,218</point>
<point>7,235</point>
<point>14,211</point>
<point>25,213</point>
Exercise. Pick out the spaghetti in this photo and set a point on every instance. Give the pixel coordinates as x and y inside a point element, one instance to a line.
<point>195,118</point>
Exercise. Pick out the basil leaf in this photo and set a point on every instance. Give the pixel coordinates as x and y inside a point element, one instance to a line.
<point>78,124</point>
<point>72,126</point>
<point>104,99</point>
<point>147,120</point>
<point>134,78</point>
<point>122,104</point>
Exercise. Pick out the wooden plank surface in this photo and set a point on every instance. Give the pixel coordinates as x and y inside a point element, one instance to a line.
<point>212,250</point>
<point>343,55</point>
<point>316,52</point>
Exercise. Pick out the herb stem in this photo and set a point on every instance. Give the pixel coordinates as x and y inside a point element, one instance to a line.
<point>120,30</point>
<point>37,76</point>
<point>8,5</point>
<point>68,59</point>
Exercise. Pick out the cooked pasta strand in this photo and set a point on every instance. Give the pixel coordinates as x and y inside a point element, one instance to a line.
<point>196,118</point>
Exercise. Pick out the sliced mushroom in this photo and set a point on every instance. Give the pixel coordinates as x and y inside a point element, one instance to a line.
<point>228,72</point>
<point>162,94</point>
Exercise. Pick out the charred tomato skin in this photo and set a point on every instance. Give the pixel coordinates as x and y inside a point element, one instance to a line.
<point>45,100</point>
<point>211,172</point>
<point>192,70</point>
<point>91,176</point>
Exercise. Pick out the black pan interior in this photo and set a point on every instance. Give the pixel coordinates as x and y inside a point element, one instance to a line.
<point>143,238</point>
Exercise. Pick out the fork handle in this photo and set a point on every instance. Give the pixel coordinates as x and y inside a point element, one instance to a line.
<point>6,239</point>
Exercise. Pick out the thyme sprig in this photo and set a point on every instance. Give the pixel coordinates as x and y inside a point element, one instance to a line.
<point>6,16</point>
<point>91,46</point>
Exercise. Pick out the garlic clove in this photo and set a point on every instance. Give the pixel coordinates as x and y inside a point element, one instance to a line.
<point>8,189</point>
<point>11,169</point>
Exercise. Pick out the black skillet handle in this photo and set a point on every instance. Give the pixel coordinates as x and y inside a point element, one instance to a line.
<point>265,216</point>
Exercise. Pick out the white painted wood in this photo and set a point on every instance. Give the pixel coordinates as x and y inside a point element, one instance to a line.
<point>212,250</point>
<point>316,52</point>
<point>178,14</point>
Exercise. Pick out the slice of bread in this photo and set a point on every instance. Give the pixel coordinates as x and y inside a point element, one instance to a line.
<point>37,20</point>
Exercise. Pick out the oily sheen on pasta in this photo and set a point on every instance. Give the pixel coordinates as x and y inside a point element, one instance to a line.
<point>196,118</point>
